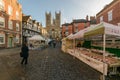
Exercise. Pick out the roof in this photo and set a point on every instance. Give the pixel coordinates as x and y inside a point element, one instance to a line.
<point>80,21</point>
<point>38,23</point>
<point>34,21</point>
<point>108,5</point>
<point>93,22</point>
<point>66,24</point>
<point>25,18</point>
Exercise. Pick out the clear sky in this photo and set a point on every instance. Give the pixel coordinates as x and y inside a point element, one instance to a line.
<point>70,9</point>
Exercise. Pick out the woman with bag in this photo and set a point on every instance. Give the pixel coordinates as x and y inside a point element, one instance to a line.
<point>25,54</point>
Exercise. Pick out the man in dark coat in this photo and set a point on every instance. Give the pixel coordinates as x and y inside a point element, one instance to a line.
<point>25,53</point>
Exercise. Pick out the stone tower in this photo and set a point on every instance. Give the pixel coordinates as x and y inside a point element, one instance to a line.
<point>58,18</point>
<point>48,19</point>
<point>53,25</point>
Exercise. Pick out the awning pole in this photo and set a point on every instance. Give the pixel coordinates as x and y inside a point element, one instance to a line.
<point>104,45</point>
<point>74,45</point>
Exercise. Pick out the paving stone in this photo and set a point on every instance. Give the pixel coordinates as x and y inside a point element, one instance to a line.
<point>48,64</point>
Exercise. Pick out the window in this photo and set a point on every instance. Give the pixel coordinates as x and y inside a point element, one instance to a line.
<point>110,15</point>
<point>76,29</point>
<point>9,10</point>
<point>101,18</point>
<point>10,25</point>
<point>35,26</point>
<point>2,22</point>
<point>66,33</point>
<point>118,24</point>
<point>1,5</point>
<point>17,15</point>
<point>76,25</point>
<point>26,31</point>
<point>2,38</point>
<point>85,25</point>
<point>66,27</point>
<point>17,27</point>
<point>17,38</point>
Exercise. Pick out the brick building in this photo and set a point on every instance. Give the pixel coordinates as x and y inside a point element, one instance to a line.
<point>67,29</point>
<point>80,24</point>
<point>110,13</point>
<point>10,23</point>
<point>77,25</point>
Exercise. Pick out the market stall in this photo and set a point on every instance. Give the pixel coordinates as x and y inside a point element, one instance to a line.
<point>63,48</point>
<point>111,32</point>
<point>101,60</point>
<point>36,41</point>
<point>67,43</point>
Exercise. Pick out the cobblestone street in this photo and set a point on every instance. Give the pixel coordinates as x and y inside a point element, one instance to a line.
<point>47,64</point>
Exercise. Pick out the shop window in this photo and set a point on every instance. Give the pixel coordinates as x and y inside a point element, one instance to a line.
<point>2,38</point>
<point>2,22</point>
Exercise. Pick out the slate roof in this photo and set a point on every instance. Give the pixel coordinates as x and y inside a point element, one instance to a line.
<point>66,24</point>
<point>25,18</point>
<point>80,21</point>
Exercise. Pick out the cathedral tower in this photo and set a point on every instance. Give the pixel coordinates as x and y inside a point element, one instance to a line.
<point>48,19</point>
<point>53,25</point>
<point>58,18</point>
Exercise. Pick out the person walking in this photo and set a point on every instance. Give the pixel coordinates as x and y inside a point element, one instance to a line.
<point>54,44</point>
<point>25,53</point>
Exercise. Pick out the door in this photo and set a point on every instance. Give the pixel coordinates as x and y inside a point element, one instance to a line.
<point>10,41</point>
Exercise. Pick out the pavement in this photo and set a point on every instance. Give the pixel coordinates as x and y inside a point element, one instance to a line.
<point>46,64</point>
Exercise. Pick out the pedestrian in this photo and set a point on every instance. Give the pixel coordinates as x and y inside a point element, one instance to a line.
<point>31,46</point>
<point>54,44</point>
<point>25,53</point>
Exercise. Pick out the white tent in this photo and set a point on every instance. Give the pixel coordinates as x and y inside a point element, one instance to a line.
<point>104,28</point>
<point>80,34</point>
<point>35,41</point>
<point>37,37</point>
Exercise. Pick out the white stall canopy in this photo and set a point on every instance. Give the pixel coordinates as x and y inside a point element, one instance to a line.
<point>37,37</point>
<point>104,28</point>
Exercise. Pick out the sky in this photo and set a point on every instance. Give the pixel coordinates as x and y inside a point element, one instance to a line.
<point>70,9</point>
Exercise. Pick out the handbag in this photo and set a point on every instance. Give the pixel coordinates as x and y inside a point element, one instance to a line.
<point>21,54</point>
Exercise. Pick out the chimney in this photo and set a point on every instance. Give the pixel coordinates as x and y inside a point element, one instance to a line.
<point>87,17</point>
